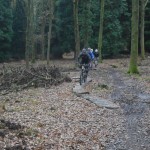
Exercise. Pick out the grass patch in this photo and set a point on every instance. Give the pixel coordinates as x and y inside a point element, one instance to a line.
<point>31,132</point>
<point>103,86</point>
<point>114,66</point>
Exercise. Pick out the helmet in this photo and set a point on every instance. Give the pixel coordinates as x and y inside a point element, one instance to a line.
<point>96,50</point>
<point>83,50</point>
<point>89,49</point>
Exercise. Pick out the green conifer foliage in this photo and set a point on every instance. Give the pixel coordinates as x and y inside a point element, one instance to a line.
<point>19,27</point>
<point>147,28</point>
<point>5,28</point>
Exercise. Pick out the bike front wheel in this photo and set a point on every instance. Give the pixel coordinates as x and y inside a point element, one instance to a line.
<point>81,79</point>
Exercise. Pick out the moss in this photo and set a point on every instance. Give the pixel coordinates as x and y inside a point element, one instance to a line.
<point>31,132</point>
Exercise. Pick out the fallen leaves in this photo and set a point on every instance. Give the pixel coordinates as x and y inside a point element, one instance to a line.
<point>55,118</point>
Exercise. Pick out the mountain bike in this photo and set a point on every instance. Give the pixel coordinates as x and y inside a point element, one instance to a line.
<point>84,73</point>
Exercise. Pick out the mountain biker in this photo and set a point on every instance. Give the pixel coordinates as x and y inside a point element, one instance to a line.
<point>84,58</point>
<point>90,51</point>
<point>96,53</point>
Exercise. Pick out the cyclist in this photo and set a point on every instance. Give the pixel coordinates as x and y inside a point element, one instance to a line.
<point>90,51</point>
<point>84,58</point>
<point>96,53</point>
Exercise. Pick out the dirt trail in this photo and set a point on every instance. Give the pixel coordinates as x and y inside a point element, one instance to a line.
<point>134,102</point>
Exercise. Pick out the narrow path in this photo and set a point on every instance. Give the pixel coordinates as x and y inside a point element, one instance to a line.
<point>134,102</point>
<point>128,94</point>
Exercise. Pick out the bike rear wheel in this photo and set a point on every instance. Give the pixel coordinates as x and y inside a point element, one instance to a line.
<point>96,63</point>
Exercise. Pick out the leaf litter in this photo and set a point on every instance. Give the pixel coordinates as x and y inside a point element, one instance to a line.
<point>55,118</point>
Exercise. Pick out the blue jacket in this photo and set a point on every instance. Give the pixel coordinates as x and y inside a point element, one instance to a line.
<point>91,55</point>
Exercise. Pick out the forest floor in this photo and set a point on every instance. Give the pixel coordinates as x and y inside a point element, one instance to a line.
<point>56,118</point>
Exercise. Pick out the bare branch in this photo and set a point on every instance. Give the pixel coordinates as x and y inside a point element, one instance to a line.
<point>146,1</point>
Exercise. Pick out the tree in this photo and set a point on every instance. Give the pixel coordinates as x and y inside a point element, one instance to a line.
<point>43,29</point>
<point>13,3</point>
<point>32,30</point>
<point>51,10</point>
<point>134,37</point>
<point>29,31</point>
<point>142,43</point>
<point>76,28</point>
<point>101,30</point>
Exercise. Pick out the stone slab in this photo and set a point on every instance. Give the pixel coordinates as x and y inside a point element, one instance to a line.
<point>75,77</point>
<point>100,102</point>
<point>89,80</point>
<point>78,89</point>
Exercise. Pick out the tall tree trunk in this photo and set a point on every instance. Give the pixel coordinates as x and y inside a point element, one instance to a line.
<point>43,38</point>
<point>143,5</point>
<point>86,36</point>
<point>43,31</point>
<point>32,31</point>
<point>76,28</point>
<point>27,33</point>
<point>146,1</point>
<point>51,9</point>
<point>13,4</point>
<point>134,37</point>
<point>49,41</point>
<point>142,29</point>
<point>100,41</point>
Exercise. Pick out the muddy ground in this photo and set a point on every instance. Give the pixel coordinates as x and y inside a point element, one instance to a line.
<point>56,118</point>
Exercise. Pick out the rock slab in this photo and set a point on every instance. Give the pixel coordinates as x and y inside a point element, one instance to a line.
<point>78,89</point>
<point>100,102</point>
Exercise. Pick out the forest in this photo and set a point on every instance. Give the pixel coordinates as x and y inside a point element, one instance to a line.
<point>25,27</point>
<point>44,105</point>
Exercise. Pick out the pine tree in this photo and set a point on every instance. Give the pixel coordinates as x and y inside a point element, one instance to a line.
<point>19,29</point>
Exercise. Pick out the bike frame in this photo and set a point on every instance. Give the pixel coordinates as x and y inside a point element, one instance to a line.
<point>83,75</point>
